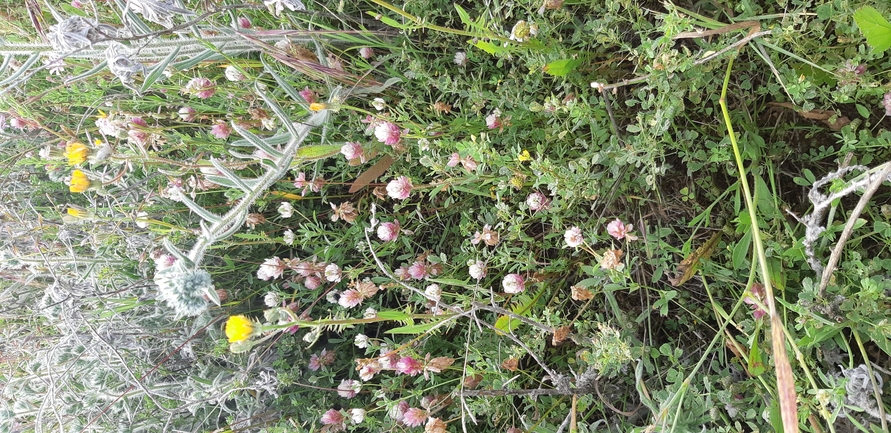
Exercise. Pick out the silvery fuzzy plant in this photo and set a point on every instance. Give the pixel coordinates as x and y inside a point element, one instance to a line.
<point>78,37</point>
<point>184,286</point>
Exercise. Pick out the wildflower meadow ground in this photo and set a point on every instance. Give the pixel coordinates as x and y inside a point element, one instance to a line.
<point>524,216</point>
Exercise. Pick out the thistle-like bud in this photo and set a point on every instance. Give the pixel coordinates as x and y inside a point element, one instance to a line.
<point>184,289</point>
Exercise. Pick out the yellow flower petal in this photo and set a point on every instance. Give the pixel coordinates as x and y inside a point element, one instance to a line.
<point>524,156</point>
<point>76,153</point>
<point>79,181</point>
<point>239,328</point>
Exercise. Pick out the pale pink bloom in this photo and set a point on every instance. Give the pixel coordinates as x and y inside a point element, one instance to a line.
<point>221,130</point>
<point>301,182</point>
<point>187,114</point>
<point>312,282</point>
<point>399,188</point>
<point>323,359</point>
<point>409,366</point>
<point>366,52</point>
<point>414,417</point>
<point>493,120</point>
<point>244,22</point>
<point>477,269</point>
<point>350,298</point>
<point>271,269</point>
<point>352,150</point>
<point>537,201</point>
<point>402,272</point>
<point>164,261</point>
<point>756,293</point>
<point>348,388</point>
<point>513,283</point>
<point>308,95</point>
<point>76,4</point>
<point>286,210</point>
<point>139,137</point>
<point>574,237</point>
<point>434,292</point>
<point>454,159</point>
<point>357,415</point>
<point>619,230</point>
<point>370,370</point>
<point>333,417</point>
<point>418,270</point>
<point>388,231</point>
<point>397,413</point>
<point>461,58</point>
<point>332,273</point>
<point>388,358</point>
<point>200,87</point>
<point>233,74</point>
<point>388,133</point>
<point>886,102</point>
<point>469,163</point>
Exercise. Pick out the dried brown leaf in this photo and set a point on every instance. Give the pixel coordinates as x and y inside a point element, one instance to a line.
<point>687,268</point>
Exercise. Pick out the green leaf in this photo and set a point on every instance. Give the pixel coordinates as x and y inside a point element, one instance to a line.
<point>756,364</point>
<point>875,27</point>
<point>158,70</point>
<point>317,151</point>
<point>465,17</point>
<point>864,112</point>
<point>489,47</point>
<point>393,315</point>
<point>562,67</point>
<point>413,329</point>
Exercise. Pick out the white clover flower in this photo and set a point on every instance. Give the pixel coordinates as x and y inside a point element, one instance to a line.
<point>379,104</point>
<point>288,237</point>
<point>332,273</point>
<point>361,341</point>
<point>286,210</point>
<point>272,299</point>
<point>477,269</point>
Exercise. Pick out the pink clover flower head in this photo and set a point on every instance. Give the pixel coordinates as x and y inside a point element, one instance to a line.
<point>164,261</point>
<point>537,201</point>
<point>244,22</point>
<point>402,272</point>
<point>460,58</point>
<point>271,269</point>
<point>323,359</point>
<point>418,270</point>
<point>139,122</point>
<point>755,295</point>
<point>76,4</point>
<point>312,282</point>
<point>388,231</point>
<point>399,188</point>
<point>352,150</point>
<point>349,388</point>
<point>308,95</point>
<point>619,230</point>
<point>221,130</point>
<point>187,114</point>
<point>397,412</point>
<point>886,102</point>
<point>454,159</point>
<point>513,283</point>
<point>414,417</point>
<point>366,52</point>
<point>332,273</point>
<point>388,133</point>
<point>200,87</point>
<point>574,237</point>
<point>301,182</point>
<point>369,370</point>
<point>493,120</point>
<point>333,417</point>
<point>350,298</point>
<point>477,269</point>
<point>409,366</point>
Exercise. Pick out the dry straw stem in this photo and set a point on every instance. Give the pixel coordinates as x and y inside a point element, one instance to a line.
<point>785,378</point>
<point>849,227</point>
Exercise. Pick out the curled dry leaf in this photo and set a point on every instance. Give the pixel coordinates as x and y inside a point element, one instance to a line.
<point>511,364</point>
<point>687,268</point>
<point>560,335</point>
<point>821,115</point>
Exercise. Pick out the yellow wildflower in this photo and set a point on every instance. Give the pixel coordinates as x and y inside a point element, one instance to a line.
<point>76,153</point>
<point>79,181</point>
<point>239,328</point>
<point>524,156</point>
<point>317,106</point>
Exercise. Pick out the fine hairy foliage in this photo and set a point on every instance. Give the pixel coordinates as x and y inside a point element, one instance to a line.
<point>528,216</point>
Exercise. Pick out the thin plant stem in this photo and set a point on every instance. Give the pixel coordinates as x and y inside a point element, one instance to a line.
<point>785,379</point>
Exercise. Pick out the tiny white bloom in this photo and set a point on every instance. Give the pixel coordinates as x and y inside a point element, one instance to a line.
<point>379,104</point>
<point>285,209</point>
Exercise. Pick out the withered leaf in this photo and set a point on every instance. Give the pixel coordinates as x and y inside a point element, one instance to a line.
<point>375,171</point>
<point>511,364</point>
<point>821,115</point>
<point>687,268</point>
<point>560,335</point>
